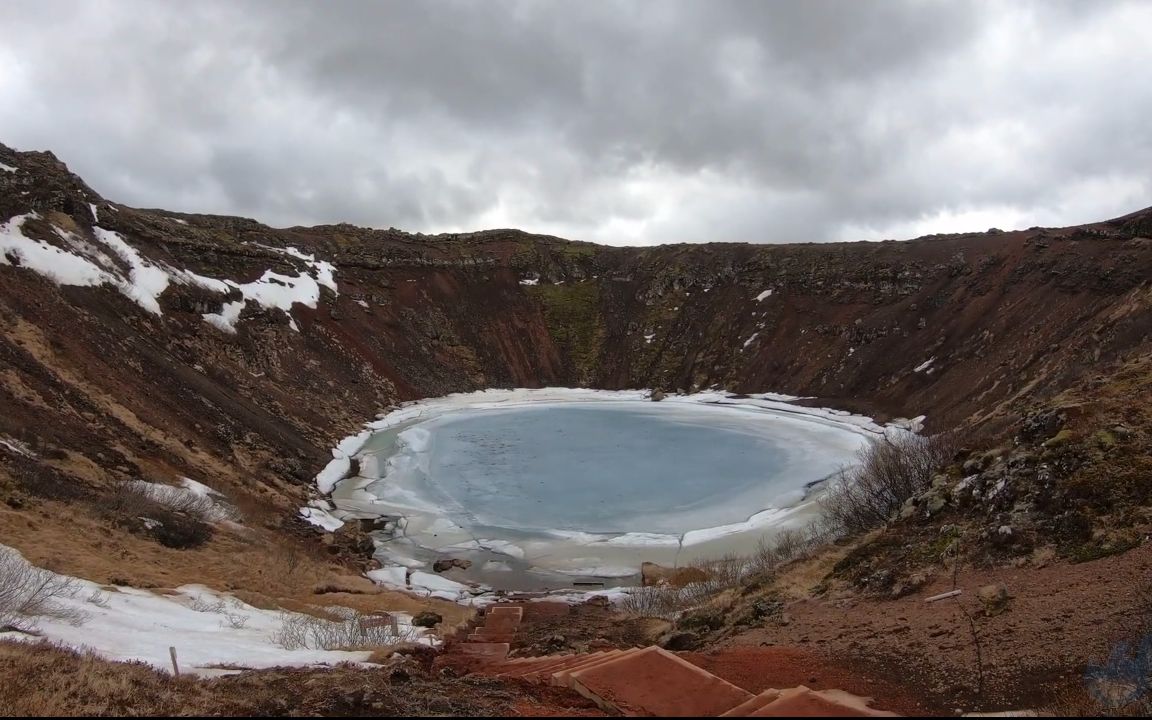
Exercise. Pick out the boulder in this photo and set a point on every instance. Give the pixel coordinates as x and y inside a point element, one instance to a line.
<point>680,641</point>
<point>994,598</point>
<point>656,396</point>
<point>935,502</point>
<point>1041,425</point>
<point>446,564</point>
<point>427,619</point>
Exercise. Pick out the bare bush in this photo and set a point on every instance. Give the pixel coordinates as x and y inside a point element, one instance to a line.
<point>784,547</point>
<point>890,471</point>
<point>668,601</point>
<point>720,574</point>
<point>789,545</point>
<point>354,631</point>
<point>659,601</point>
<point>646,601</point>
<point>28,592</point>
<point>98,599</point>
<point>234,619</point>
<point>206,507</point>
<point>174,517</point>
<point>207,604</point>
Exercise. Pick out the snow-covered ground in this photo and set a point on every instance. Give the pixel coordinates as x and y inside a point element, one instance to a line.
<point>91,263</point>
<point>431,520</point>
<point>209,630</point>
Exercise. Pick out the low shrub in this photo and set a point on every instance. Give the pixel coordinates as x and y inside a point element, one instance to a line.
<point>28,592</point>
<point>354,631</point>
<point>176,519</point>
<point>891,470</point>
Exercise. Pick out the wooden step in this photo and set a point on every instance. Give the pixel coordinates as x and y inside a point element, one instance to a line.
<point>497,626</point>
<point>743,709</point>
<point>653,681</point>
<point>545,674</point>
<point>541,666</point>
<point>563,677</point>
<point>497,651</point>
<point>491,637</point>
<point>801,701</point>
<point>506,611</point>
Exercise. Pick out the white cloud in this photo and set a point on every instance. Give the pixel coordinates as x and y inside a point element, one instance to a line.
<point>606,121</point>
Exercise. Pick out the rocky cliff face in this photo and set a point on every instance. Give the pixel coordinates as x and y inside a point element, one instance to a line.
<point>97,386</point>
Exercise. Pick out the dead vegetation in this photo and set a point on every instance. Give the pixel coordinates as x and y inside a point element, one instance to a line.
<point>258,563</point>
<point>44,680</point>
<point>729,572</point>
<point>174,517</point>
<point>890,471</point>
<point>28,593</point>
<point>348,630</point>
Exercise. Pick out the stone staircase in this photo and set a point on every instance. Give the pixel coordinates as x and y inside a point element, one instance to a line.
<point>647,681</point>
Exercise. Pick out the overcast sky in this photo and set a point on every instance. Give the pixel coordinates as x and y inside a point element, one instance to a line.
<point>618,122</point>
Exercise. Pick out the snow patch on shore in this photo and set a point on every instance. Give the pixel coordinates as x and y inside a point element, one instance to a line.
<point>208,629</point>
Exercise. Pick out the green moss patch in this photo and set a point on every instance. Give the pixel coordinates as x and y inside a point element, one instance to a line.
<point>572,312</point>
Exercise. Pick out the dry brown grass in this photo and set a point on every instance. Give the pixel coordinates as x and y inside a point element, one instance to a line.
<point>385,655</point>
<point>801,579</point>
<point>42,679</point>
<point>261,566</point>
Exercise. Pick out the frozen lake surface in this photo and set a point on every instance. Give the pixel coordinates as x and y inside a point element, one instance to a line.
<point>541,488</point>
<point>612,467</point>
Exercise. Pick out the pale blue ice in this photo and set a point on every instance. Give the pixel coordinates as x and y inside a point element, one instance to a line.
<point>611,467</point>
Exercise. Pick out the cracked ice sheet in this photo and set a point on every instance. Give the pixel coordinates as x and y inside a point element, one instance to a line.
<point>420,583</point>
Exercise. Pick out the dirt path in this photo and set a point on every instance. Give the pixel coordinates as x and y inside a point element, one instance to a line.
<point>1061,617</point>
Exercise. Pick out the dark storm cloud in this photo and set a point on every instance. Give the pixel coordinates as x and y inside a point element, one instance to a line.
<point>625,122</point>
